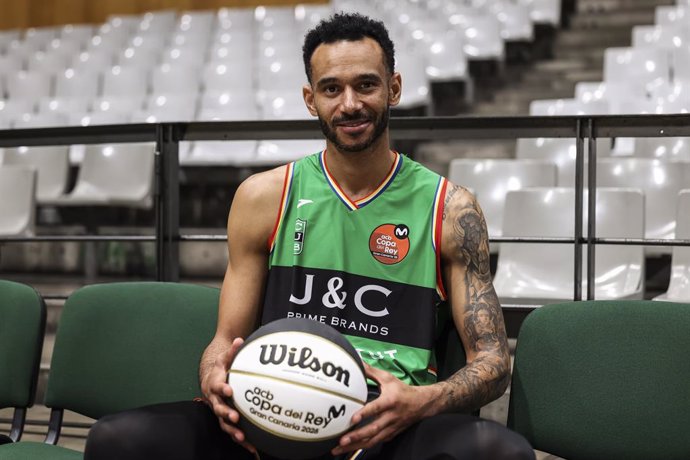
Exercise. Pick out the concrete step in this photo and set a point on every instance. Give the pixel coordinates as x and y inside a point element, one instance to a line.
<point>592,57</point>
<point>611,36</point>
<point>620,18</point>
<point>592,6</point>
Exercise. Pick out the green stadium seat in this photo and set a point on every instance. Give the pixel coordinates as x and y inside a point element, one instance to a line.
<point>119,346</point>
<point>604,379</point>
<point>23,314</point>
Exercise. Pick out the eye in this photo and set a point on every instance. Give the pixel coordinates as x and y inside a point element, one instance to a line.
<point>330,90</point>
<point>367,85</point>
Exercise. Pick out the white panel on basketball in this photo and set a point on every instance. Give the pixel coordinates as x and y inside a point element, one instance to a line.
<point>306,374</point>
<point>296,384</point>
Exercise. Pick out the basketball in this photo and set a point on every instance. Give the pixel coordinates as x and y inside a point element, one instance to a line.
<point>296,384</point>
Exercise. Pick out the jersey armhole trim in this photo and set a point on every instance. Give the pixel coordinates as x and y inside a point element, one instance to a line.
<point>284,198</point>
<point>437,231</point>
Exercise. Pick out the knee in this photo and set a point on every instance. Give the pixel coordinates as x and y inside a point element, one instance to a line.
<point>103,440</point>
<point>496,441</point>
<point>114,437</point>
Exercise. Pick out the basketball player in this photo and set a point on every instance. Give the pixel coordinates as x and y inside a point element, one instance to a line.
<point>366,240</point>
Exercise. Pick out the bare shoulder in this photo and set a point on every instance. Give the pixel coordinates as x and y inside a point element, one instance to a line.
<point>464,228</point>
<point>256,203</point>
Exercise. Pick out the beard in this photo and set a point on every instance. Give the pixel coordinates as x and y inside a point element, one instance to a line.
<point>380,125</point>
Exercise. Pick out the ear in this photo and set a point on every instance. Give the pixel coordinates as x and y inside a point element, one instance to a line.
<point>308,95</point>
<point>394,89</point>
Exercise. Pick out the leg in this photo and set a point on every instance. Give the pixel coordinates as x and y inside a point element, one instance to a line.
<point>183,430</point>
<point>455,437</point>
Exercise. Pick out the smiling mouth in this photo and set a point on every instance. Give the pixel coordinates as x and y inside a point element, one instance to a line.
<point>353,126</point>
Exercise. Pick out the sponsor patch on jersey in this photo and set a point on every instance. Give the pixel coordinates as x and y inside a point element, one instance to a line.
<point>300,232</point>
<point>390,243</point>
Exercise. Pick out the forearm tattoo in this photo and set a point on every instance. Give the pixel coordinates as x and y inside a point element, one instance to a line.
<point>485,378</point>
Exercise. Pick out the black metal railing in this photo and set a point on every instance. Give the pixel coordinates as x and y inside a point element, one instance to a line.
<point>167,137</point>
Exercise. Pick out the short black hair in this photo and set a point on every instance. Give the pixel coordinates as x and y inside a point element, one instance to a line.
<point>351,27</point>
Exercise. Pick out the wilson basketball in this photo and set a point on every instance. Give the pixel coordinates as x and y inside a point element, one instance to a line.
<point>296,384</point>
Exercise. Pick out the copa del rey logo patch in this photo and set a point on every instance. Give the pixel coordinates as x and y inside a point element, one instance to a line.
<point>390,243</point>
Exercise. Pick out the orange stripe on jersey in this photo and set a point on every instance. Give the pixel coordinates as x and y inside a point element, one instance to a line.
<point>437,231</point>
<point>287,183</point>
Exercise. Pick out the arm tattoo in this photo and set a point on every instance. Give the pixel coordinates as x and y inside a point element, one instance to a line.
<point>485,378</point>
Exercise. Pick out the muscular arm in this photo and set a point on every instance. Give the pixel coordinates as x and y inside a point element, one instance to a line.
<point>250,223</point>
<point>476,310</point>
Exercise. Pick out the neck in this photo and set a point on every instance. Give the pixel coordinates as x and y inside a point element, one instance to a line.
<point>360,173</point>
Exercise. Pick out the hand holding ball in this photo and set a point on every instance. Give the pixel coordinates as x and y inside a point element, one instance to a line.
<point>296,384</point>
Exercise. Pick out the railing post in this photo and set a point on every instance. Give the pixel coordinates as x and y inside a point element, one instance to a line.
<point>167,203</point>
<point>579,192</point>
<point>591,210</point>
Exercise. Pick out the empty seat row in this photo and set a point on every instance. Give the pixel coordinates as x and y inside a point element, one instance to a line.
<point>110,175</point>
<point>548,212</point>
<point>157,331</point>
<point>659,181</point>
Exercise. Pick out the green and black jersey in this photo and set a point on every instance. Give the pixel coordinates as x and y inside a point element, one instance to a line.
<point>369,268</point>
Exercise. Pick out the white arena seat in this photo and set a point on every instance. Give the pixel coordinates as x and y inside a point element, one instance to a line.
<point>113,175</point>
<point>679,285</point>
<point>17,214</point>
<point>78,83</point>
<point>139,57</point>
<point>29,85</point>
<point>444,63</point>
<point>11,109</point>
<point>286,106</point>
<point>10,63</point>
<point>669,14</point>
<point>543,11</point>
<point>93,61</point>
<point>63,105</point>
<point>227,77</point>
<point>124,104</point>
<point>41,36</point>
<point>125,81</point>
<point>554,107</point>
<point>178,78</point>
<point>7,37</point>
<point>231,153</point>
<point>40,120</point>
<point>308,16</point>
<point>482,34</point>
<point>661,181</point>
<point>491,179</point>
<point>562,151</point>
<point>663,148</point>
<point>416,88</point>
<point>77,32</point>
<point>51,164</point>
<point>523,277</point>
<point>680,63</point>
<point>157,23</point>
<point>235,19</point>
<point>515,19</point>
<point>663,36</point>
<point>649,65</point>
<point>188,56</point>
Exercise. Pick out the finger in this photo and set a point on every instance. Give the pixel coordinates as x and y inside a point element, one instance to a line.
<point>237,435</point>
<point>225,359</point>
<point>370,410</point>
<point>380,437</point>
<point>369,430</point>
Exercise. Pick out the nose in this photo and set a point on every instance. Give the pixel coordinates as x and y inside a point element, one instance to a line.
<point>350,102</point>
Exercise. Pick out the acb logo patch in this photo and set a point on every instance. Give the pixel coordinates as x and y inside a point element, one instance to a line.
<point>390,243</point>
